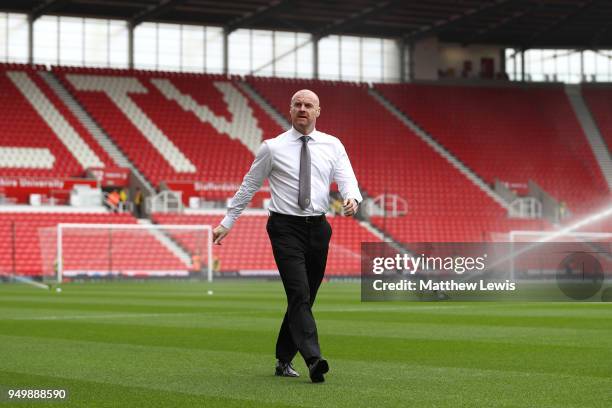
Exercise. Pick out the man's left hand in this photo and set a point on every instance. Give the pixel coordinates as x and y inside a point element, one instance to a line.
<point>350,207</point>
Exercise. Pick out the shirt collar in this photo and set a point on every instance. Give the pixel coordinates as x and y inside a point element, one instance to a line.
<point>296,134</point>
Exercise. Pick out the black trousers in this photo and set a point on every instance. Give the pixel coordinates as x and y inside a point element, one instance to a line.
<point>300,246</point>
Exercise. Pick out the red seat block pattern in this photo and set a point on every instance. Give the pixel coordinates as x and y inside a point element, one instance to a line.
<point>24,127</point>
<point>31,237</point>
<point>389,158</point>
<point>511,133</point>
<point>247,247</point>
<point>599,101</point>
<point>217,156</point>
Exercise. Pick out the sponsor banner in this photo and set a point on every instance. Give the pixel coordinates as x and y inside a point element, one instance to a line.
<point>431,271</point>
<point>127,273</point>
<point>20,188</point>
<point>110,176</point>
<point>519,187</point>
<point>258,272</point>
<point>213,191</point>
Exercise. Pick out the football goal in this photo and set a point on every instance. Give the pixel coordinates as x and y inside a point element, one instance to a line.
<point>542,253</point>
<point>126,251</point>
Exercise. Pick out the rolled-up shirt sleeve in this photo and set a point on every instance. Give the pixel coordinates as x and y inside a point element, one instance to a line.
<point>345,177</point>
<point>259,171</point>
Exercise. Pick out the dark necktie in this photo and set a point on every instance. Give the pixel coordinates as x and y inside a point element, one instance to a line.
<point>304,194</point>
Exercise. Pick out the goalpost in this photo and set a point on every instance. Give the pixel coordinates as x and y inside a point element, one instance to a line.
<point>127,251</point>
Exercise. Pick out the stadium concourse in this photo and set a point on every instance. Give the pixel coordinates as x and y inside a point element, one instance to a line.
<point>177,129</point>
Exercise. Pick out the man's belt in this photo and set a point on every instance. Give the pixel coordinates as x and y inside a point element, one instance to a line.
<point>309,219</point>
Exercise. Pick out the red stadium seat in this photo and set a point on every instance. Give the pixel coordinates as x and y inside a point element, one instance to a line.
<point>23,127</point>
<point>511,133</point>
<point>247,247</point>
<point>216,156</point>
<point>599,101</point>
<point>30,242</point>
<point>388,157</point>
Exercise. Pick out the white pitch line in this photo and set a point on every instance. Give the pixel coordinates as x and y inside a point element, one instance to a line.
<point>106,316</point>
<point>390,309</point>
<point>138,315</point>
<point>124,315</point>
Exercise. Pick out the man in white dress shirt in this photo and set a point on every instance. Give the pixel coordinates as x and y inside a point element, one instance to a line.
<point>300,164</point>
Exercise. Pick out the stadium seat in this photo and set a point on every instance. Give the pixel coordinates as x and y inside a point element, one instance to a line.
<point>217,147</point>
<point>512,133</point>
<point>248,248</point>
<point>599,100</point>
<point>29,246</point>
<point>49,145</point>
<point>388,158</point>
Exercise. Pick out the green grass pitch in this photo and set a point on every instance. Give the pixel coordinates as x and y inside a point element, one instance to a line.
<point>169,344</point>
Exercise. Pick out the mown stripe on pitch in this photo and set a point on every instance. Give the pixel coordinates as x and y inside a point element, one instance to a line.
<point>350,384</point>
<point>104,394</point>
<point>254,321</point>
<point>601,320</point>
<point>457,353</point>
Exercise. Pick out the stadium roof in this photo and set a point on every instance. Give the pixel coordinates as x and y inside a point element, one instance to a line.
<point>518,23</point>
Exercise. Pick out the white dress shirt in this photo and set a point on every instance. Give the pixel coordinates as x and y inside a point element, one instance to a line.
<point>278,159</point>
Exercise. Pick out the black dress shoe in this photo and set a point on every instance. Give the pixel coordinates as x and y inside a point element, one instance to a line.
<point>285,370</point>
<point>317,369</point>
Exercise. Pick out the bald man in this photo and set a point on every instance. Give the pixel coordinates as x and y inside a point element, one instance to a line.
<point>300,164</point>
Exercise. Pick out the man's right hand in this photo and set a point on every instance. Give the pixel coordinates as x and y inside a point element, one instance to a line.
<point>219,233</point>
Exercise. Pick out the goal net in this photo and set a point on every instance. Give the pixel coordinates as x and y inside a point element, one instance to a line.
<point>126,251</point>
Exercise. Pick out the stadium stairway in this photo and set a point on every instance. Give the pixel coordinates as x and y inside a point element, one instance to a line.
<point>427,138</point>
<point>282,122</point>
<point>164,110</point>
<point>598,98</point>
<point>442,204</point>
<point>285,124</point>
<point>94,129</point>
<point>247,248</point>
<point>523,133</point>
<point>176,126</point>
<point>54,118</point>
<point>29,245</point>
<point>167,241</point>
<point>591,131</point>
<point>47,140</point>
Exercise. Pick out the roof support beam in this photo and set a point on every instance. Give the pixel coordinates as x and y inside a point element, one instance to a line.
<point>30,40</point>
<point>153,11</point>
<point>45,7</point>
<point>504,21</point>
<point>452,21</point>
<point>327,30</point>
<point>353,19</point>
<point>257,15</point>
<point>577,12</point>
<point>595,41</point>
<point>130,46</point>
